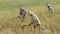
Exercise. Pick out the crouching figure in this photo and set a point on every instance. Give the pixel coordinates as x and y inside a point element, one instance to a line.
<point>50,9</point>
<point>22,13</point>
<point>35,20</point>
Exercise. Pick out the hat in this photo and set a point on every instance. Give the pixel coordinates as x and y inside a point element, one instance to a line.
<point>48,4</point>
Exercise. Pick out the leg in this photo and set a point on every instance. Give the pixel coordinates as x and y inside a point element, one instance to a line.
<point>35,29</point>
<point>34,26</point>
<point>30,26</point>
<point>38,25</point>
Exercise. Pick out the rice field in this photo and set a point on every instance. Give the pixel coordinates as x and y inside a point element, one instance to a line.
<point>11,24</point>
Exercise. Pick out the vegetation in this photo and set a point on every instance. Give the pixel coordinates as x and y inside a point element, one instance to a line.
<point>11,24</point>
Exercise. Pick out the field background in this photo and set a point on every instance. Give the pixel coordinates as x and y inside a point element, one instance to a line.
<point>11,24</point>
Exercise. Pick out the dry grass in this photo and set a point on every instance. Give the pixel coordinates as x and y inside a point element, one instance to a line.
<point>11,24</point>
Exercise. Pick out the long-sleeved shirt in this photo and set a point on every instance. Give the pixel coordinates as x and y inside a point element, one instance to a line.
<point>35,19</point>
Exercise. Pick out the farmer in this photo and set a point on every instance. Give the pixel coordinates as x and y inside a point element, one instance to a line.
<point>22,13</point>
<point>35,20</point>
<point>50,9</point>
